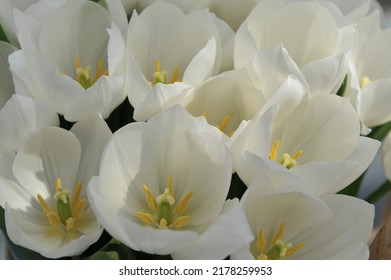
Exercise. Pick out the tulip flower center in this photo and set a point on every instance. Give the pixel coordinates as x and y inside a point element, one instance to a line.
<point>364,81</point>
<point>161,76</point>
<point>83,74</point>
<point>165,214</point>
<point>68,211</point>
<point>222,126</point>
<point>287,160</point>
<point>278,248</point>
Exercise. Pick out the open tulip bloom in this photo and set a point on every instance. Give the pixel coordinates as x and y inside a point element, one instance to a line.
<point>289,223</point>
<point>46,206</point>
<point>162,188</point>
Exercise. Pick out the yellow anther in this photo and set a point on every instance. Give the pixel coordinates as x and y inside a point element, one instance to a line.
<point>261,241</point>
<point>145,217</point>
<point>58,185</point>
<point>262,257</point>
<point>169,186</point>
<point>222,126</point>
<point>175,75</point>
<point>150,198</point>
<point>182,205</point>
<point>99,70</point>
<point>76,194</point>
<point>53,219</point>
<point>157,65</point>
<point>78,64</point>
<point>70,223</point>
<point>163,224</point>
<point>293,250</point>
<point>45,207</point>
<point>78,209</point>
<point>297,154</point>
<point>279,233</point>
<point>181,221</point>
<point>274,150</point>
<point>364,81</point>
<point>204,114</point>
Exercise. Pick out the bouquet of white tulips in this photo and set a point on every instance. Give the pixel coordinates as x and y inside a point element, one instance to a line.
<point>199,129</point>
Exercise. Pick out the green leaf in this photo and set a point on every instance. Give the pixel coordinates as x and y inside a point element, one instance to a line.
<point>109,255</point>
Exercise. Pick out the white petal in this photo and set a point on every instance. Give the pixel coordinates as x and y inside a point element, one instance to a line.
<point>161,97</point>
<point>299,24</point>
<point>374,103</point>
<point>48,154</point>
<point>116,51</point>
<point>93,134</point>
<point>326,75</point>
<point>89,23</point>
<point>101,98</point>
<point>270,68</point>
<point>20,116</point>
<point>251,167</point>
<point>228,233</point>
<point>28,231</point>
<point>202,65</point>
<point>313,125</point>
<point>267,211</point>
<point>351,223</point>
<point>153,240</point>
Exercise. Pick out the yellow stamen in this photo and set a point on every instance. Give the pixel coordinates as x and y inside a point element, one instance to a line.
<point>293,250</point>
<point>262,257</point>
<point>181,221</point>
<point>78,210</point>
<point>76,195</point>
<point>279,233</point>
<point>145,217</point>
<point>182,205</point>
<point>261,241</point>
<point>78,64</point>
<point>364,81</point>
<point>175,75</point>
<point>70,223</point>
<point>157,65</point>
<point>99,71</point>
<point>150,198</point>
<point>222,126</point>
<point>53,219</point>
<point>45,207</point>
<point>169,186</point>
<point>297,154</point>
<point>163,224</point>
<point>274,151</point>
